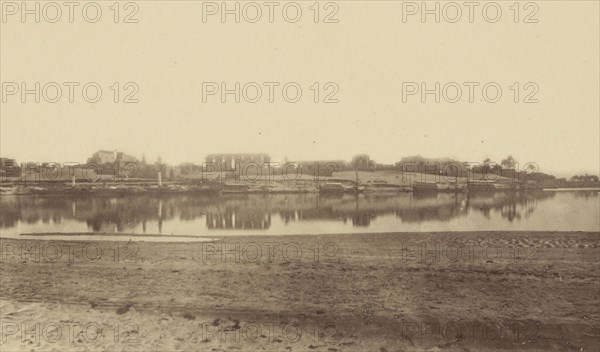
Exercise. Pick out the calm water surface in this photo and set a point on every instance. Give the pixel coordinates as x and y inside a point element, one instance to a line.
<point>299,214</point>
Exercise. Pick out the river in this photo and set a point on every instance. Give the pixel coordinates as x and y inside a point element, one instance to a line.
<point>285,214</point>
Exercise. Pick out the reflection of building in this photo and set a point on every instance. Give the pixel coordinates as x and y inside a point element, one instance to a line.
<point>255,212</point>
<point>362,218</point>
<point>340,210</point>
<point>109,157</point>
<point>229,161</point>
<point>238,220</point>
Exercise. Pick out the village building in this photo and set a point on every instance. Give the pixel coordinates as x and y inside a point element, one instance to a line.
<point>363,162</point>
<point>102,157</point>
<point>230,161</point>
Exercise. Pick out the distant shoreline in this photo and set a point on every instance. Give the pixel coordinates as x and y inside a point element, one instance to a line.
<point>122,190</point>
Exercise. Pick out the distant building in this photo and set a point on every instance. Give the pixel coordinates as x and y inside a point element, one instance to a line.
<point>9,167</point>
<point>362,161</point>
<point>102,157</point>
<point>6,163</point>
<point>585,178</point>
<point>432,166</point>
<point>426,162</point>
<point>419,159</point>
<point>380,167</point>
<point>110,157</point>
<point>324,167</point>
<point>187,169</point>
<point>228,161</point>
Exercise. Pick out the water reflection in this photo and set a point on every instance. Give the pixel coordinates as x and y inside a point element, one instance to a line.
<point>150,213</point>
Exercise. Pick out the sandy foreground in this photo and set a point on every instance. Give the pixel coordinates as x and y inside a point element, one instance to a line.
<point>483,291</point>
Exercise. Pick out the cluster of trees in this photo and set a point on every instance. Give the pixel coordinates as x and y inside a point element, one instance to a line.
<point>136,169</point>
<point>507,163</point>
<point>509,167</point>
<point>585,178</point>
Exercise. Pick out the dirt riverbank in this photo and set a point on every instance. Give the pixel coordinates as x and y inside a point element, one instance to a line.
<point>470,291</point>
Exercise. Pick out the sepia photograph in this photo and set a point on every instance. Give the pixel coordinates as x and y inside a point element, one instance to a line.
<point>297,176</point>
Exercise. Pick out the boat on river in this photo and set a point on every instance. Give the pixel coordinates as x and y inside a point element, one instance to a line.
<point>339,187</point>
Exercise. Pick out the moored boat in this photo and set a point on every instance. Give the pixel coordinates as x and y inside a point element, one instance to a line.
<point>235,188</point>
<point>437,187</point>
<point>338,187</point>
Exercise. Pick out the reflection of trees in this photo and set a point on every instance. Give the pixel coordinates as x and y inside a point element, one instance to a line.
<point>432,206</point>
<point>585,194</point>
<point>102,214</point>
<point>10,210</point>
<point>511,205</point>
<point>121,214</point>
<point>333,207</point>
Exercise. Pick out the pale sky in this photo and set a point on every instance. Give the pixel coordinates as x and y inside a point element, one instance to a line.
<point>368,54</point>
